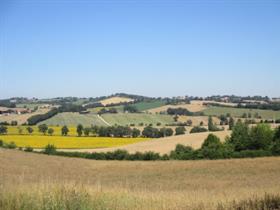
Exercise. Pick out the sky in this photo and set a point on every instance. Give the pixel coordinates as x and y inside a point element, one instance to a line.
<point>86,48</point>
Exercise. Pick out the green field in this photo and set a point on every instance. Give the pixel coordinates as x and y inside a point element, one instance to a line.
<point>28,105</point>
<point>142,106</point>
<point>73,119</point>
<point>237,112</point>
<point>136,118</point>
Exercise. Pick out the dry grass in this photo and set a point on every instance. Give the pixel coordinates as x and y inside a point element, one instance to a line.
<point>163,145</point>
<point>115,100</point>
<point>21,118</point>
<point>124,185</point>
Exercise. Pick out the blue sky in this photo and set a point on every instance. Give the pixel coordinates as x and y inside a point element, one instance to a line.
<point>155,48</point>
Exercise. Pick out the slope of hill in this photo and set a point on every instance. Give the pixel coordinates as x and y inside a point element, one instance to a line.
<point>37,181</point>
<point>73,119</point>
<point>136,118</point>
<point>115,100</point>
<point>164,145</point>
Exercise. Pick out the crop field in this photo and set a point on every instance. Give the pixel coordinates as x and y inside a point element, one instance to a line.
<point>21,130</point>
<point>42,182</point>
<point>21,118</point>
<point>69,142</point>
<point>237,112</point>
<point>73,119</point>
<point>136,118</point>
<point>115,100</point>
<point>165,145</point>
<point>143,106</point>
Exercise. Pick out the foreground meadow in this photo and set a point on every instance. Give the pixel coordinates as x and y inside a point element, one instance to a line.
<point>69,142</point>
<point>33,181</point>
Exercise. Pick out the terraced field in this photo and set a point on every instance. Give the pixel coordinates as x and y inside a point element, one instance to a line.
<point>237,112</point>
<point>73,119</point>
<point>69,142</point>
<point>136,118</point>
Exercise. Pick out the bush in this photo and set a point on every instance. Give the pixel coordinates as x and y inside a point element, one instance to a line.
<point>180,130</point>
<point>50,149</point>
<point>10,145</point>
<point>198,129</point>
<point>28,149</point>
<point>1,143</point>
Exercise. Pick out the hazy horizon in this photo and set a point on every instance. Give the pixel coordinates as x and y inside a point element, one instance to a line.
<point>153,48</point>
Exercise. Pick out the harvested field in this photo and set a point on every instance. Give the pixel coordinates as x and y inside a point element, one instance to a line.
<point>115,100</point>
<point>41,180</point>
<point>21,118</point>
<point>165,145</point>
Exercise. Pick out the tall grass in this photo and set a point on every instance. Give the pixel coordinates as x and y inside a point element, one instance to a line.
<point>73,197</point>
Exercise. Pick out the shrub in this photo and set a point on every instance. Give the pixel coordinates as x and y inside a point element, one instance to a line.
<point>28,149</point>
<point>10,145</point>
<point>1,143</point>
<point>180,130</point>
<point>50,149</point>
<point>198,129</point>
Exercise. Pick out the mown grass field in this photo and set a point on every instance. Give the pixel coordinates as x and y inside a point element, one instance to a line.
<point>136,118</point>
<point>237,112</point>
<point>32,181</point>
<point>73,119</point>
<point>69,142</point>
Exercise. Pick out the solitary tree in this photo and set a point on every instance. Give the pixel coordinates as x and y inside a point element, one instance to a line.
<point>43,128</point>
<point>64,130</point>
<point>29,130</point>
<point>50,131</point>
<point>80,129</point>
<point>87,131</point>
<point>3,129</point>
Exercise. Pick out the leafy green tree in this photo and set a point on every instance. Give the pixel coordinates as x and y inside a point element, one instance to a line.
<point>211,126</point>
<point>261,137</point>
<point>240,136</point>
<point>150,132</point>
<point>29,130</point>
<point>3,129</point>
<point>277,134</point>
<point>50,131</point>
<point>180,130</point>
<point>231,123</point>
<point>135,132</point>
<point>130,109</point>
<point>64,130</point>
<point>163,132</point>
<point>43,128</point>
<point>198,129</point>
<point>87,131</point>
<point>20,130</point>
<point>14,123</point>
<point>212,148</point>
<point>80,129</point>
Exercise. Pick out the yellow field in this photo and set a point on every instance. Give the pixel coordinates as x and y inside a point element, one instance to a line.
<point>69,142</point>
<point>14,130</point>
